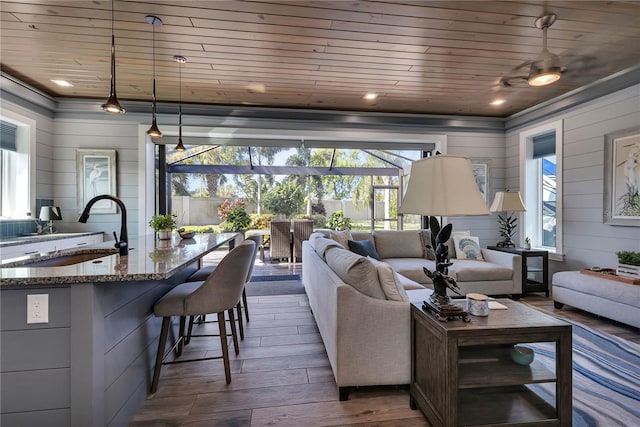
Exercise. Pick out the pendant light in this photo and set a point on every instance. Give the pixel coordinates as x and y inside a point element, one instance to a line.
<point>112,105</point>
<point>180,60</point>
<point>153,131</point>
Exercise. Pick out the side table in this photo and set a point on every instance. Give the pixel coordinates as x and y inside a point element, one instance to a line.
<point>535,276</point>
<point>462,375</point>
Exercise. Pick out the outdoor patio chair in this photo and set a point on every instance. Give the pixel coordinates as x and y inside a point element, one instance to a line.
<point>302,229</point>
<point>280,239</point>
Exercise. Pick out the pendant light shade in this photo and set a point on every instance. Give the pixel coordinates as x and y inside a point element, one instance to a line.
<point>112,105</point>
<point>154,131</point>
<point>180,60</point>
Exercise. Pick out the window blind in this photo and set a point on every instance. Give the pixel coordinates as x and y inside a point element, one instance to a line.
<point>544,145</point>
<point>8,136</point>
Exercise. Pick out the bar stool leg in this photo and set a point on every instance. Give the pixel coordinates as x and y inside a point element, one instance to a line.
<point>161,344</point>
<point>240,325</point>
<point>181,336</point>
<point>234,334</point>
<point>246,307</point>
<point>225,346</point>
<point>189,330</point>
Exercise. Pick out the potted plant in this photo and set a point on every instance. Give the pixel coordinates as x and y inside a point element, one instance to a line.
<point>163,225</point>
<point>628,264</point>
<point>527,243</point>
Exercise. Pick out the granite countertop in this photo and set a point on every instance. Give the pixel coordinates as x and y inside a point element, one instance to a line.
<point>34,238</point>
<point>148,259</point>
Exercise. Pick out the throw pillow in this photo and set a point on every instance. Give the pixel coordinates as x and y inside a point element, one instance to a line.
<point>468,247</point>
<point>390,282</point>
<point>428,251</point>
<point>451,244</point>
<point>364,248</point>
<point>342,237</point>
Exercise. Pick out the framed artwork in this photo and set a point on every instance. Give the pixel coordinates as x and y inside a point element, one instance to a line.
<point>96,174</point>
<point>481,172</point>
<point>622,178</point>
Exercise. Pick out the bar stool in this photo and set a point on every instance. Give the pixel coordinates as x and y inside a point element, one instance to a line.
<point>220,292</point>
<point>204,272</point>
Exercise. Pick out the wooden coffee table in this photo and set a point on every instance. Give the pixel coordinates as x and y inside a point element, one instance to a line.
<point>462,373</point>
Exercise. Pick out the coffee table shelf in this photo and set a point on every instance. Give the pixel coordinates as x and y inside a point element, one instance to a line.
<point>462,373</point>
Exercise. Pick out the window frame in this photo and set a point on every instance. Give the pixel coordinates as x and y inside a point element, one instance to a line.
<point>531,188</point>
<point>26,143</point>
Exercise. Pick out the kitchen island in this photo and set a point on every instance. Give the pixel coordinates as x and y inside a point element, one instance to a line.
<point>90,364</point>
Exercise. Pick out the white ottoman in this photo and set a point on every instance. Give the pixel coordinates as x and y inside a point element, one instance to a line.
<point>608,298</point>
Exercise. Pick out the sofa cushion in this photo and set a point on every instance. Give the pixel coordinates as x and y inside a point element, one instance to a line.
<point>364,248</point>
<point>321,244</point>
<point>355,270</point>
<point>389,281</point>
<point>398,244</point>
<point>342,237</point>
<point>467,247</point>
<point>465,270</point>
<point>411,268</point>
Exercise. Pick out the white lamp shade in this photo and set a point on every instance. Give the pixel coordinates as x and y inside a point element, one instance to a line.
<point>505,201</point>
<point>50,213</point>
<point>443,185</point>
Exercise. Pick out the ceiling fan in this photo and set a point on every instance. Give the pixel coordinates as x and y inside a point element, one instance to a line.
<point>545,69</point>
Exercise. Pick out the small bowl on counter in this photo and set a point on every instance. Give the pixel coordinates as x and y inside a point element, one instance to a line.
<point>186,234</point>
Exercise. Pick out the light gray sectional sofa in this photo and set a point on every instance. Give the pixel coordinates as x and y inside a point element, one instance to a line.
<point>362,306</point>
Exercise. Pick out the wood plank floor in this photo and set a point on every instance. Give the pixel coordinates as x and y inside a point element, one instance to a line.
<point>282,376</point>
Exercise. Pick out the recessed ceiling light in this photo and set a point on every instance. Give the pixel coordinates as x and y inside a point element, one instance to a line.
<point>370,96</point>
<point>62,83</point>
<point>497,102</point>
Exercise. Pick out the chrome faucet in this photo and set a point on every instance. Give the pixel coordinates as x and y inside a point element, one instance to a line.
<point>122,243</point>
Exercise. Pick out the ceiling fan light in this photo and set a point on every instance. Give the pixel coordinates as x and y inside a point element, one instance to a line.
<point>540,78</point>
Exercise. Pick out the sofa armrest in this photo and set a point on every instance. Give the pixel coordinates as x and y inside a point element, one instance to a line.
<point>507,260</point>
<point>373,340</point>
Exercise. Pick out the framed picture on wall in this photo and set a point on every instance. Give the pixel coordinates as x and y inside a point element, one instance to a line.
<point>622,178</point>
<point>481,172</point>
<point>96,175</point>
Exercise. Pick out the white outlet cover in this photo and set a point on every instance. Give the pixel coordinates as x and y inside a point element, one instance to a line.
<point>37,308</point>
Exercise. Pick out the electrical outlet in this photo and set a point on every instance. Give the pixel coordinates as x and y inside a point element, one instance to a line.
<point>38,308</point>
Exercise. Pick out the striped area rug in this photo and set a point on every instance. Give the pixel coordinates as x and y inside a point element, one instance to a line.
<point>606,378</point>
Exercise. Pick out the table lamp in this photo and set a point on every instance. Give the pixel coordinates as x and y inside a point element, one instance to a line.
<point>442,185</point>
<point>50,214</point>
<point>505,201</point>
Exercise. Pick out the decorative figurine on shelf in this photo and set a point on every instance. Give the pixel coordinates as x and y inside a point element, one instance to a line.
<point>439,302</point>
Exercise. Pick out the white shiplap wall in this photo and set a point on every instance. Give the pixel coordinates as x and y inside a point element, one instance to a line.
<point>119,135</point>
<point>587,240</point>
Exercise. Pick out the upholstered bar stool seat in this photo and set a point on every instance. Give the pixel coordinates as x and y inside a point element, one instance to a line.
<point>219,292</point>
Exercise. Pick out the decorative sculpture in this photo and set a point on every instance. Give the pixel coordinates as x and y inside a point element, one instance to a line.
<point>439,302</point>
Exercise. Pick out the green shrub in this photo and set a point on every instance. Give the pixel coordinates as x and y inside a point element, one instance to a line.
<point>337,221</point>
<point>260,221</point>
<point>629,257</point>
<point>237,220</point>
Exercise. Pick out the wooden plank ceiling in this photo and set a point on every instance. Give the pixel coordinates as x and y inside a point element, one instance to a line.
<point>419,56</point>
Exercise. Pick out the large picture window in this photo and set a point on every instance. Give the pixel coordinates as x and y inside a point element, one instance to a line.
<point>17,175</point>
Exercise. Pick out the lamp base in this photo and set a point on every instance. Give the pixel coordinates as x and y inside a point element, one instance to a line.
<point>446,311</point>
